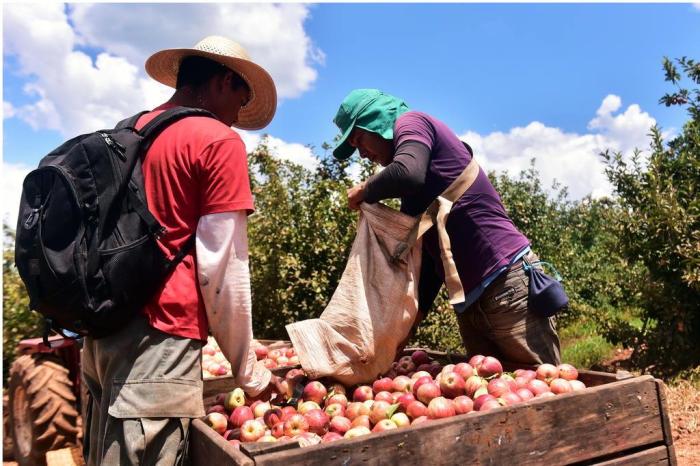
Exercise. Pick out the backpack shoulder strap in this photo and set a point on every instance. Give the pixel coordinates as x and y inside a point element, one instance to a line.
<point>168,117</point>
<point>131,121</point>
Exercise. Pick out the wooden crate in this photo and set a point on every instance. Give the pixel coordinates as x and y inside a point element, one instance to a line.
<point>618,420</point>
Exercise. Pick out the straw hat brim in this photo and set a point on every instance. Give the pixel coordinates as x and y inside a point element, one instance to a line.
<point>163,66</point>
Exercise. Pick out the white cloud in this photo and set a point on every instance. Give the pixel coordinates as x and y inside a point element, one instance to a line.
<point>74,94</point>
<point>12,178</point>
<point>696,6</point>
<point>8,110</point>
<point>294,152</point>
<point>570,158</point>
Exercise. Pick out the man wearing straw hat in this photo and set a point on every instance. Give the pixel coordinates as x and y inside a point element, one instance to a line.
<point>146,380</point>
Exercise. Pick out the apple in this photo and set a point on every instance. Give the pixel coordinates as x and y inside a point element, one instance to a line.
<point>473,383</point>
<point>234,399</point>
<point>452,384</point>
<point>287,412</point>
<point>498,387</point>
<point>356,409</point>
<point>274,354</point>
<point>489,366</point>
<point>267,438</point>
<point>434,368</point>
<point>260,408</point>
<point>529,374</point>
<point>293,361</point>
<point>252,430</point>
<point>416,409</point>
<point>290,352</point>
<point>216,421</point>
<point>208,350</point>
<point>380,410</point>
<point>404,400</point>
<point>577,385</point>
<point>334,409</point>
<point>384,424</point>
<point>475,360</point>
<point>524,394</point>
<point>283,361</point>
<point>420,357</point>
<point>278,429</point>
<point>306,439</point>
<point>567,372</point>
<point>362,420</point>
<point>427,392</point>
<point>216,409</point>
<point>315,391</point>
<point>272,416</point>
<point>480,400</point>
<point>330,437</point>
<point>559,386</point>
<point>384,396</point>
<point>464,369</point>
<point>401,383</point>
<point>337,389</point>
<point>545,395</point>
<point>418,374</point>
<point>240,415</point>
<point>419,420</point>
<point>448,368</point>
<point>232,434</point>
<point>385,384</point>
<point>306,406</point>
<point>480,391</point>
<point>537,386</point>
<point>490,404</point>
<point>363,393</point>
<point>405,365</point>
<point>269,363</point>
<point>357,432</point>
<point>547,372</point>
<point>318,421</point>
<point>261,352</point>
<point>463,404</point>
<point>401,420</point>
<point>521,381</point>
<point>509,380</point>
<point>337,398</point>
<point>510,398</point>
<point>295,425</point>
<point>340,424</point>
<point>419,382</point>
<point>440,407</point>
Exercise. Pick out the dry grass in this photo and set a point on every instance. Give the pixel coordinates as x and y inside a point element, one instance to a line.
<point>684,407</point>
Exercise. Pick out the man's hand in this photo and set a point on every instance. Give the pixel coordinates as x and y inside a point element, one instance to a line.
<point>356,195</point>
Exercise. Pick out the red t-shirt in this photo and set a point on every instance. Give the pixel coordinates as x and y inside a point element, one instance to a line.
<point>197,166</point>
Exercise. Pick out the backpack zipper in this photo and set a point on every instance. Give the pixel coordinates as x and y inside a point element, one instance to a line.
<point>119,149</point>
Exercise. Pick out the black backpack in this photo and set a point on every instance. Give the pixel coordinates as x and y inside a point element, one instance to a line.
<point>87,246</point>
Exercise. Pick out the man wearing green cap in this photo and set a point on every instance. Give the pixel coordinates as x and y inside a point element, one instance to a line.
<point>422,157</point>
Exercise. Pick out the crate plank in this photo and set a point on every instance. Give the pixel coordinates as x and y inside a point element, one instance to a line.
<point>651,457</point>
<point>208,448</point>
<point>566,429</point>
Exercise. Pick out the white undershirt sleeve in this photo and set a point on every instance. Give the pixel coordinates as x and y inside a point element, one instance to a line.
<point>224,279</point>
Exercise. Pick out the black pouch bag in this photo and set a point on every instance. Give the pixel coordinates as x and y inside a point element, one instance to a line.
<point>546,295</point>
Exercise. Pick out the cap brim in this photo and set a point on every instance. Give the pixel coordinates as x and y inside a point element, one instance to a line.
<point>344,150</point>
<point>163,66</point>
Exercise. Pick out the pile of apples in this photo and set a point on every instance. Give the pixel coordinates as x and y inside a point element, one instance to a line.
<point>214,363</point>
<point>417,389</point>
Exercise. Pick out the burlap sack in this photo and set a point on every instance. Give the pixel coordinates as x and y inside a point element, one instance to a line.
<point>372,310</point>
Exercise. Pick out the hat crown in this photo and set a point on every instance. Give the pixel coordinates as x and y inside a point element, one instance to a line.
<point>353,104</point>
<point>222,46</point>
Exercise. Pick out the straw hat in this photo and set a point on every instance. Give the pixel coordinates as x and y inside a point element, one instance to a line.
<point>164,65</point>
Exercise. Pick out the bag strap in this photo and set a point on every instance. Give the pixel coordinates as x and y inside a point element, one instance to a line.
<point>131,121</point>
<point>154,127</point>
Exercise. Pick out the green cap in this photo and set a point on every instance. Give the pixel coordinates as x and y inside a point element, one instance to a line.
<point>369,109</point>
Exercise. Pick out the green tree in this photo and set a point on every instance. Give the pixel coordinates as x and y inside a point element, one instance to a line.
<point>658,225</point>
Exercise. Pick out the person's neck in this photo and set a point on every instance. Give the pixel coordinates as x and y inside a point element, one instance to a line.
<point>185,98</point>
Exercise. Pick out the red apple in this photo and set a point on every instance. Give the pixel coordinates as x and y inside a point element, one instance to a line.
<point>283,361</point>
<point>217,409</point>
<point>567,372</point>
<point>274,354</point>
<point>287,412</point>
<point>240,415</point>
<point>337,398</point>
<point>318,421</point>
<point>480,400</point>
<point>295,425</point>
<point>362,420</point>
<point>498,387</point>
<point>217,421</point>
<point>385,384</point>
<point>463,404</point>
<point>252,430</point>
<point>260,408</point>
<point>384,396</point>
<point>420,357</point>
<point>330,437</point>
<point>401,383</point>
<point>440,407</point>
<point>306,406</point>
<point>473,383</point>
<point>529,374</point>
<point>434,368</point>
<point>405,365</point>
<point>416,409</point>
<point>356,409</point>
<point>577,385</point>
<point>363,393</point>
<point>272,416</point>
<point>489,366</point>
<point>475,360</point>
<point>269,363</point>
<point>290,352</point>
<point>464,369</point>
<point>490,404</point>
<point>404,400</point>
<point>418,374</point>
<point>524,394</point>
<point>278,430</point>
<point>452,384</point>
<point>419,420</point>
<point>315,391</point>
<point>559,386</point>
<point>384,424</point>
<point>510,398</point>
<point>208,350</point>
<point>545,395</point>
<point>340,424</point>
<point>547,372</point>
<point>267,438</point>
<point>521,382</point>
<point>335,409</point>
<point>537,386</point>
<point>261,352</point>
<point>428,391</point>
<point>380,410</point>
<point>420,381</point>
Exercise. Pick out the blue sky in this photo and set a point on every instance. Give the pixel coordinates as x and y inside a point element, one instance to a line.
<point>559,82</point>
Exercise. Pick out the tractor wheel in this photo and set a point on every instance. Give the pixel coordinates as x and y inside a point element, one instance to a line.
<point>43,411</point>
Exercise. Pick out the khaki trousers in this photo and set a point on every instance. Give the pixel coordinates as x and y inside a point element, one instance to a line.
<point>500,324</point>
<point>145,387</point>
